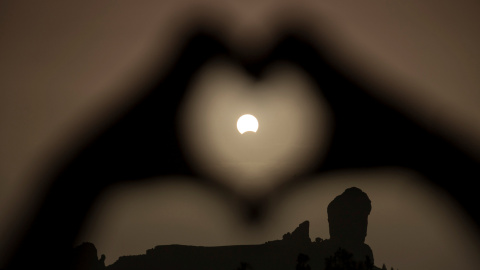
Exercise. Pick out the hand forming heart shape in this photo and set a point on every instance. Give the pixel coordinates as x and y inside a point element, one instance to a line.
<point>146,142</point>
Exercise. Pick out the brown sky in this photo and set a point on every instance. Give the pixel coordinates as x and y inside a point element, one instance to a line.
<point>67,66</point>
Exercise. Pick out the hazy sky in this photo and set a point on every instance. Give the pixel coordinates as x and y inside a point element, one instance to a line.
<point>67,67</point>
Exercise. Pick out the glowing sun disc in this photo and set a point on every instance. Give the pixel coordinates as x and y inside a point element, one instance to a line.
<point>247,122</point>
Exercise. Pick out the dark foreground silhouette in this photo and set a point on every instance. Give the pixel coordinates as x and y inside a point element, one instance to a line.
<point>346,248</point>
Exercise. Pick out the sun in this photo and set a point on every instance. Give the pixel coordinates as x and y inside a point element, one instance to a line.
<point>247,122</point>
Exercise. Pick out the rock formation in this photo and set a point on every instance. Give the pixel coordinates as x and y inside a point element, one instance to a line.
<point>348,221</point>
<point>346,248</point>
<point>84,257</point>
<point>300,235</point>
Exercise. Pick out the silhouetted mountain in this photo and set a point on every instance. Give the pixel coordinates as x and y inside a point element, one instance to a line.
<point>348,220</point>
<point>294,251</point>
<point>279,254</point>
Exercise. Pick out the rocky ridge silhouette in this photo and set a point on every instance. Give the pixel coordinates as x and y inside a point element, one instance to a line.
<point>348,220</point>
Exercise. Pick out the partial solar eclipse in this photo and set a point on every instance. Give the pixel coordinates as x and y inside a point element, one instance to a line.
<point>247,122</point>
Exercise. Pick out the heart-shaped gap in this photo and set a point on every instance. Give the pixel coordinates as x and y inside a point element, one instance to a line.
<point>294,125</point>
